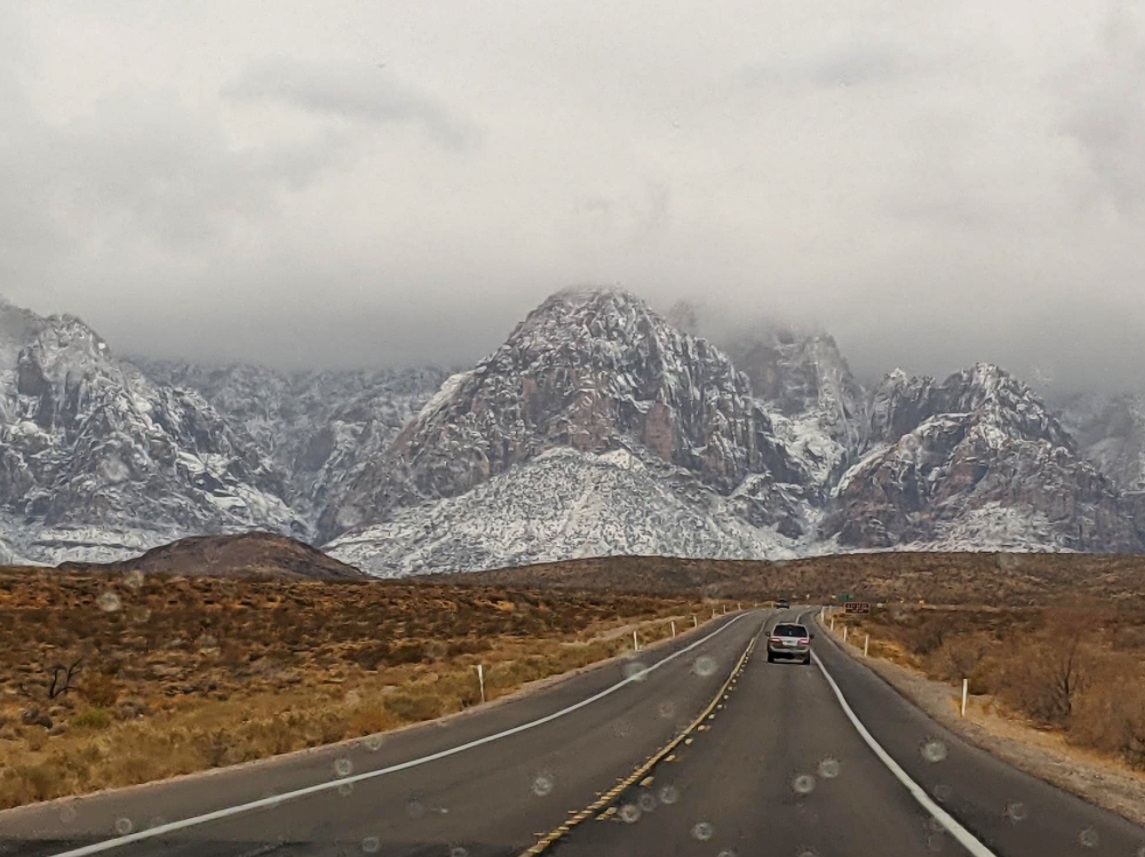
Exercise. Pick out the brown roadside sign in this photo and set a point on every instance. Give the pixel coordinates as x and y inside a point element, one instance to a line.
<point>857,607</point>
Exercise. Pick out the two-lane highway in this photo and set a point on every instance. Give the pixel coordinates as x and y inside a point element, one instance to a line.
<point>806,761</point>
<point>482,783</point>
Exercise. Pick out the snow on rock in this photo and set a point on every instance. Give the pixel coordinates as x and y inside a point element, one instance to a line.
<point>562,503</point>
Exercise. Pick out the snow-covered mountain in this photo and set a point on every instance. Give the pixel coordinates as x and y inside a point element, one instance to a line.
<point>594,371</point>
<point>979,460</point>
<point>97,461</point>
<point>597,428</point>
<point>319,428</point>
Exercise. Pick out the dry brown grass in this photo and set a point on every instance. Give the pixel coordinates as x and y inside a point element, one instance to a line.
<point>180,675</point>
<point>1075,670</point>
<point>939,578</point>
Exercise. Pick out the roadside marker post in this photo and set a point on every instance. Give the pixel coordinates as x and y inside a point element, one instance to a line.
<point>673,629</point>
<point>965,694</point>
<point>844,633</point>
<point>832,623</point>
<point>866,645</point>
<point>635,642</point>
<point>481,681</point>
<point>695,621</point>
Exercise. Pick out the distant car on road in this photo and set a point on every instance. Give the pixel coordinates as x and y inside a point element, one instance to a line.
<point>782,604</point>
<point>789,642</point>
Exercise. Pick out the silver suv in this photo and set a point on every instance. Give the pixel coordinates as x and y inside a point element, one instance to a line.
<point>789,642</point>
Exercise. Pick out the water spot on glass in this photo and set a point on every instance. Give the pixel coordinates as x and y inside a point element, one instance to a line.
<point>140,614</point>
<point>726,852</point>
<point>343,767</point>
<point>123,826</point>
<point>1089,838</point>
<point>156,821</point>
<point>109,602</point>
<point>67,813</point>
<point>374,743</point>
<point>933,751</point>
<point>668,794</point>
<point>371,845</point>
<point>934,842</point>
<point>934,825</point>
<point>1016,811</point>
<point>415,808</point>
<point>353,698</point>
<point>346,789</point>
<point>804,784</point>
<point>458,851</point>
<point>630,813</point>
<point>704,666</point>
<point>943,792</point>
<point>622,728</point>
<point>647,802</point>
<point>543,784</point>
<point>667,709</point>
<point>829,768</point>
<point>635,671</point>
<point>703,831</point>
<point>134,579</point>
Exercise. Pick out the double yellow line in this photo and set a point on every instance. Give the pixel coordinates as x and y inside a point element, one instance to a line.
<point>610,796</point>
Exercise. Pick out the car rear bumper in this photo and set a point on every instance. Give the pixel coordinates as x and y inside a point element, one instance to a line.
<point>788,654</point>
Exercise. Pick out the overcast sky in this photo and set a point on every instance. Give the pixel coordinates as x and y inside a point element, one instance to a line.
<point>352,183</point>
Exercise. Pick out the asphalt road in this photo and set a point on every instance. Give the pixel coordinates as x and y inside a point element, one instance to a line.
<point>777,769</point>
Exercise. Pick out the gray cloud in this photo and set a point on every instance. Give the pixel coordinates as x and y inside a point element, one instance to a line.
<point>374,183</point>
<point>362,91</point>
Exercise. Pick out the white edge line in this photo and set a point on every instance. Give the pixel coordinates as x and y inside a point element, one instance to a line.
<point>264,803</point>
<point>963,836</point>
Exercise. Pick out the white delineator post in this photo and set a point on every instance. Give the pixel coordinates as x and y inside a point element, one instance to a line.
<point>965,694</point>
<point>832,623</point>
<point>845,633</point>
<point>481,681</point>
<point>635,642</point>
<point>695,621</point>
<point>673,629</point>
<point>866,645</point>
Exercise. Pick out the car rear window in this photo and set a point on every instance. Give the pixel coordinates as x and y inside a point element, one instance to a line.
<point>789,631</point>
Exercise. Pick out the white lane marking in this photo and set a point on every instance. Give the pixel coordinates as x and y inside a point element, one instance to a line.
<point>268,802</point>
<point>963,836</point>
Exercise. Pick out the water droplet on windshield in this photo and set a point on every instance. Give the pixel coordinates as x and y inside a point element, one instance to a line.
<point>343,767</point>
<point>134,579</point>
<point>669,795</point>
<point>109,602</point>
<point>704,666</point>
<point>829,768</point>
<point>630,813</point>
<point>703,831</point>
<point>374,743</point>
<point>635,671</point>
<point>647,802</point>
<point>1015,811</point>
<point>67,813</point>
<point>352,697</point>
<point>807,852</point>
<point>543,785</point>
<point>1089,838</point>
<point>458,851</point>
<point>933,751</point>
<point>371,845</point>
<point>804,784</point>
<point>726,852</point>
<point>622,728</point>
<point>943,792</point>
<point>346,789</point>
<point>667,709</point>
<point>123,826</point>
<point>155,821</point>
<point>415,808</point>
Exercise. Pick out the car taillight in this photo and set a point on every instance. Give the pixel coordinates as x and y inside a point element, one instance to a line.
<point>806,641</point>
<point>776,640</point>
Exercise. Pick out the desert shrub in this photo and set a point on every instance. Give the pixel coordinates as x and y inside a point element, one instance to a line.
<point>101,690</point>
<point>413,707</point>
<point>92,718</point>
